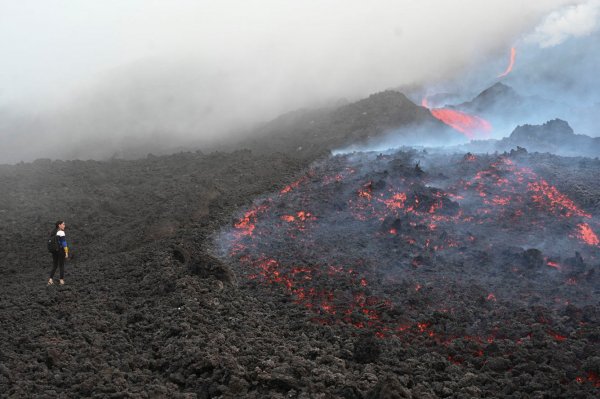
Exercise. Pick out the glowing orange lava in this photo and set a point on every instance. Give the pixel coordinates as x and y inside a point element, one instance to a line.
<point>553,264</point>
<point>587,234</point>
<point>293,185</point>
<point>550,198</point>
<point>471,126</point>
<point>398,211</point>
<point>511,63</point>
<point>397,201</point>
<point>246,225</point>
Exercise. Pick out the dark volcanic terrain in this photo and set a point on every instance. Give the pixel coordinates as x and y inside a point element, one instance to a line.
<point>296,274</point>
<point>554,136</point>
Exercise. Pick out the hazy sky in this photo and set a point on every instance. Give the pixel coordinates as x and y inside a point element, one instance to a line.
<point>214,65</point>
<point>52,45</point>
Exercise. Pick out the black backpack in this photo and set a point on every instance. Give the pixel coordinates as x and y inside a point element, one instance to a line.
<point>53,244</point>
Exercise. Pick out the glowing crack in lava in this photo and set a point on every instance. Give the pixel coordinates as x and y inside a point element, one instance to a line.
<point>473,127</point>
<point>511,63</point>
<point>587,234</point>
<point>371,242</point>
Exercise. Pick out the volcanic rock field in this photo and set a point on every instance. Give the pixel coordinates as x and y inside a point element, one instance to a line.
<point>287,272</point>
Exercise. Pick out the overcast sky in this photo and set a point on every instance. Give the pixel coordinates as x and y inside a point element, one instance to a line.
<point>244,61</point>
<point>49,46</point>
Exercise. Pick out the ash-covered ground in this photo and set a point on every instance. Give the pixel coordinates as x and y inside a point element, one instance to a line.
<point>358,276</point>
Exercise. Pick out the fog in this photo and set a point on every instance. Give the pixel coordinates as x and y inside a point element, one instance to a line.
<point>98,79</point>
<point>554,74</point>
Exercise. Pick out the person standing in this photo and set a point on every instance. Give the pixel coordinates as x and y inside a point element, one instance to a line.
<point>58,257</point>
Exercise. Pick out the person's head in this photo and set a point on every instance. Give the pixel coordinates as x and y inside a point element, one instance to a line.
<point>60,225</point>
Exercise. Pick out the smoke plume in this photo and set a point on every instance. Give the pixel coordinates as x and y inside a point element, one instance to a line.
<point>572,21</point>
<point>96,80</point>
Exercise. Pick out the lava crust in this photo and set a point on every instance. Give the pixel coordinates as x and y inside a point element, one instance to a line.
<point>268,276</point>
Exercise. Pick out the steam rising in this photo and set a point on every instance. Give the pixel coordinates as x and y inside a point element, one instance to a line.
<point>92,80</point>
<point>572,21</point>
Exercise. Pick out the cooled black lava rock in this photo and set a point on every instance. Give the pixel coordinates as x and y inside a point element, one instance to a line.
<point>391,223</point>
<point>519,151</point>
<point>428,199</point>
<point>498,364</point>
<point>576,262</point>
<point>533,258</point>
<point>204,265</point>
<point>389,388</point>
<point>366,349</point>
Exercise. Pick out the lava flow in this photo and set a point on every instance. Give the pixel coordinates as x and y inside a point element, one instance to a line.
<point>511,63</point>
<point>377,243</point>
<point>473,127</point>
<point>587,234</point>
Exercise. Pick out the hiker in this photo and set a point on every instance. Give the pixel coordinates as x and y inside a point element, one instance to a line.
<point>59,256</point>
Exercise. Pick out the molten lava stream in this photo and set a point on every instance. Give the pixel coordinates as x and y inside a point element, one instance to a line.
<point>470,125</point>
<point>473,127</point>
<point>511,63</point>
<point>587,235</point>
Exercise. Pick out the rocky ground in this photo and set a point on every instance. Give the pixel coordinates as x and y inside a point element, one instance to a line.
<point>148,312</point>
<point>153,307</point>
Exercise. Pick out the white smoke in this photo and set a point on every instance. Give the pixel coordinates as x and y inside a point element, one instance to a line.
<point>572,21</point>
<point>90,79</point>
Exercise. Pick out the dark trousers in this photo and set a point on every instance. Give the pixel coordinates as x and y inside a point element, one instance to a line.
<point>58,260</point>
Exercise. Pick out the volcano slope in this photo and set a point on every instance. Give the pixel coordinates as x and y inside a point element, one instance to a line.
<point>361,276</point>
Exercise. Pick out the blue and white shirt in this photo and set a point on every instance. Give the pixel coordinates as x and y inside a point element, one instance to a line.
<point>62,240</point>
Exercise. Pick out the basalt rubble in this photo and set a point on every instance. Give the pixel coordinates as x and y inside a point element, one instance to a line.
<point>365,275</point>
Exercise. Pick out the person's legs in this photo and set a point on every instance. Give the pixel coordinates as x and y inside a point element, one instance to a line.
<point>61,264</point>
<point>55,260</point>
